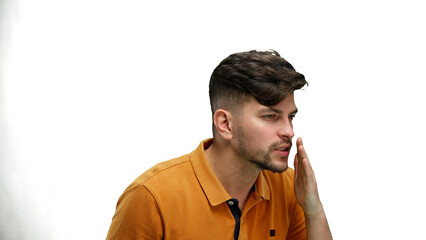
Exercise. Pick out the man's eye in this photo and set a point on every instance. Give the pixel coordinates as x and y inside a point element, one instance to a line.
<point>292,117</point>
<point>269,116</point>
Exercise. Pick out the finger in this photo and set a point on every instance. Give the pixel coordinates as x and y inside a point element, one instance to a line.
<point>299,141</point>
<point>304,165</point>
<point>295,162</point>
<point>298,167</point>
<point>300,149</point>
<point>307,168</point>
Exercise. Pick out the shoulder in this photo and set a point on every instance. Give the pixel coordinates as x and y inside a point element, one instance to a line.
<point>159,176</point>
<point>162,179</point>
<point>164,171</point>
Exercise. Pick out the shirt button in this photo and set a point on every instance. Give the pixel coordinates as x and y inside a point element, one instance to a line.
<point>230,203</point>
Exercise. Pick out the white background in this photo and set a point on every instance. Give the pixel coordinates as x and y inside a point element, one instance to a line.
<point>93,93</point>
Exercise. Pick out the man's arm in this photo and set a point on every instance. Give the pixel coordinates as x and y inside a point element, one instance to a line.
<point>306,192</point>
<point>137,216</point>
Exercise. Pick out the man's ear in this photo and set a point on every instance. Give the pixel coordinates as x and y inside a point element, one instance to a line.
<point>223,121</point>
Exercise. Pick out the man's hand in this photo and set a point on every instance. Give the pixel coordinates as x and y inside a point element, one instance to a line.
<point>306,192</point>
<point>305,184</point>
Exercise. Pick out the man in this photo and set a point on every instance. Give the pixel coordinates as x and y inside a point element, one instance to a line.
<point>238,184</point>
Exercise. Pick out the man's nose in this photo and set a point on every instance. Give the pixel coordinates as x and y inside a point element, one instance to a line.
<point>286,130</point>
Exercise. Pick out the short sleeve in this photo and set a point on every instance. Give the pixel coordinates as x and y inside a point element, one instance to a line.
<point>137,216</point>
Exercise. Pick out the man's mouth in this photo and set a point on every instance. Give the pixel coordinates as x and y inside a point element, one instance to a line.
<point>283,151</point>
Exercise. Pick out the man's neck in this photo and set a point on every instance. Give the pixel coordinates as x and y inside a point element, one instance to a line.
<point>236,175</point>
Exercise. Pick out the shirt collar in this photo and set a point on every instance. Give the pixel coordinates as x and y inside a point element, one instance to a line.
<point>215,192</point>
<point>262,186</point>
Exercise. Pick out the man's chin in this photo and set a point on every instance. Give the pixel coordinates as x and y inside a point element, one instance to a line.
<point>279,165</point>
<point>277,168</point>
<point>273,165</point>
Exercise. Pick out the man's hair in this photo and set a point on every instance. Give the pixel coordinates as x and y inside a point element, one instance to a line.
<point>266,76</point>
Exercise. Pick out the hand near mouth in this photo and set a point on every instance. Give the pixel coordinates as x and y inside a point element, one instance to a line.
<point>305,184</point>
<point>306,192</point>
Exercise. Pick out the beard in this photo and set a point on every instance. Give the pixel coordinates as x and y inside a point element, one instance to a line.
<point>259,157</point>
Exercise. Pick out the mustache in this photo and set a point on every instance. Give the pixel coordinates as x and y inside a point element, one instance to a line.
<point>280,143</point>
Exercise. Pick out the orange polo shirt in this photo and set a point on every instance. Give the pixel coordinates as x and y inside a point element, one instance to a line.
<point>182,199</point>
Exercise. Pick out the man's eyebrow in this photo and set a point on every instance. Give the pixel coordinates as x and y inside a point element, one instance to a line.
<point>294,111</point>
<point>271,109</point>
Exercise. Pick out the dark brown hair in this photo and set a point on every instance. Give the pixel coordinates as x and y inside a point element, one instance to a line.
<point>266,76</point>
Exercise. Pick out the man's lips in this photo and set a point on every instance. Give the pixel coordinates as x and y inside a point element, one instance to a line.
<point>283,150</point>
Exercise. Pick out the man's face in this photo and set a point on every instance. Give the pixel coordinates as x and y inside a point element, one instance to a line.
<point>264,133</point>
